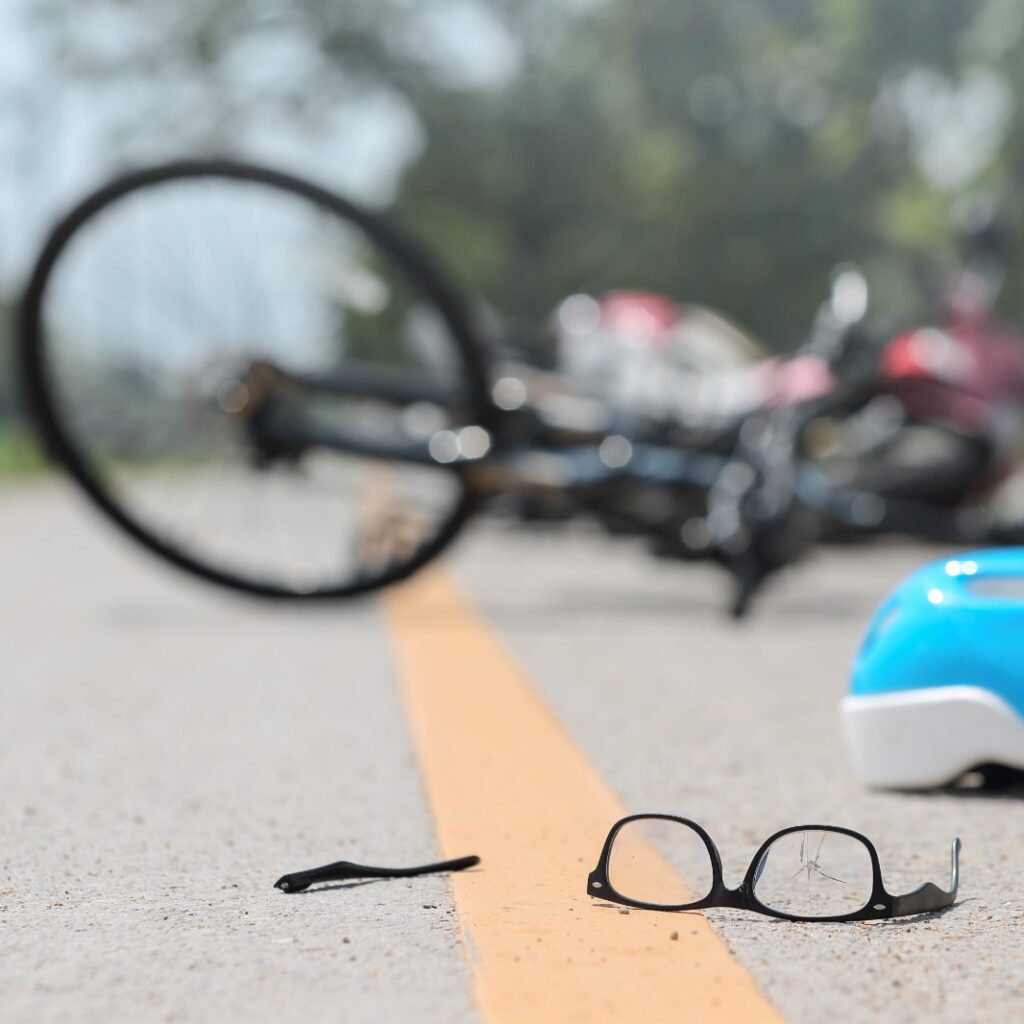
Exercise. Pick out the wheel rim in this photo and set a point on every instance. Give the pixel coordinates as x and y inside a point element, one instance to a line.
<point>148,311</point>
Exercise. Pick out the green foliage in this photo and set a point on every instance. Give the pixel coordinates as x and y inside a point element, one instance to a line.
<point>728,152</point>
<point>7,397</point>
<point>19,455</point>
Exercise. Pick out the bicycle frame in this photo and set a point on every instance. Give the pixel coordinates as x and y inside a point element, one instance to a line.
<point>524,454</point>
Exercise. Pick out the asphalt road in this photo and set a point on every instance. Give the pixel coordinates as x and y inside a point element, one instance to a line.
<point>166,752</point>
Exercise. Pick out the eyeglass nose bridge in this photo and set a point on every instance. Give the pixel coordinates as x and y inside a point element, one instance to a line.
<point>735,899</point>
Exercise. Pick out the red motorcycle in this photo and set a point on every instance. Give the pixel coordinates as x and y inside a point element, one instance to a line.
<point>921,430</point>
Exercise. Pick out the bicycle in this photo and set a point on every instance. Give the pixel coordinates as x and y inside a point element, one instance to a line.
<point>273,389</point>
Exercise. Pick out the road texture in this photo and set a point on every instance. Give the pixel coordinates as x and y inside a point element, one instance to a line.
<point>166,752</point>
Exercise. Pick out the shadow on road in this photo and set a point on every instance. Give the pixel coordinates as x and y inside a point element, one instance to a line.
<point>985,782</point>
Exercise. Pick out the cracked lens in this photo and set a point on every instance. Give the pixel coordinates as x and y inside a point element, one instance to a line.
<point>814,873</point>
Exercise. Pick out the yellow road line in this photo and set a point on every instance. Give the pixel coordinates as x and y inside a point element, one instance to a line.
<point>505,781</point>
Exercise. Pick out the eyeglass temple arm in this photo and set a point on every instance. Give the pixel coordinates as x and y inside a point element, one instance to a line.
<point>343,870</point>
<point>929,896</point>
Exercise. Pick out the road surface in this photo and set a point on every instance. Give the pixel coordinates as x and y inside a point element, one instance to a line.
<point>166,751</point>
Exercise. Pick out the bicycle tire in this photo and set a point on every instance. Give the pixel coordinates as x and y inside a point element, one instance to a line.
<point>58,436</point>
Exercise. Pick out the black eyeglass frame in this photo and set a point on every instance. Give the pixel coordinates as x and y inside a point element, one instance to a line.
<point>882,904</point>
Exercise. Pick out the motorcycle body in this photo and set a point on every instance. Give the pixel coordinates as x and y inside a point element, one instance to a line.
<point>965,379</point>
<point>937,415</point>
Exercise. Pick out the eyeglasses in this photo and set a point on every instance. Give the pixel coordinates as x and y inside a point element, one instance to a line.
<point>803,873</point>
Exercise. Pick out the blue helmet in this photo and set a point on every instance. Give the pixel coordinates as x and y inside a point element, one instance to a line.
<point>938,685</point>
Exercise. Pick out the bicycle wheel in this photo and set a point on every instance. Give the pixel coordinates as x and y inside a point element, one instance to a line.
<point>177,311</point>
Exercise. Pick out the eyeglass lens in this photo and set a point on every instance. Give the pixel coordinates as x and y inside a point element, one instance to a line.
<point>661,862</point>
<point>814,873</point>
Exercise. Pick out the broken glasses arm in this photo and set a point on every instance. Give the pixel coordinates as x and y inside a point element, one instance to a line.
<point>929,896</point>
<point>344,870</point>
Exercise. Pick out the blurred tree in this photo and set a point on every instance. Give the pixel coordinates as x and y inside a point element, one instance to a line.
<point>6,359</point>
<point>18,454</point>
<point>727,152</point>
